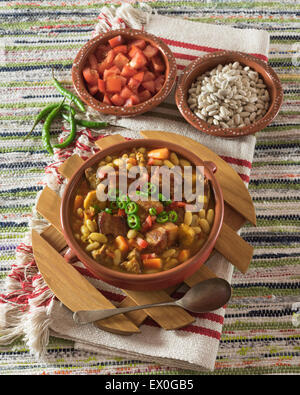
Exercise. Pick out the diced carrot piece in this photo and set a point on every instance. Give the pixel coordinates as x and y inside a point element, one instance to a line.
<point>152,263</point>
<point>78,202</point>
<point>128,71</point>
<point>133,84</point>
<point>106,100</point>
<point>139,76</point>
<point>114,70</point>
<point>110,57</point>
<point>144,95</point>
<point>158,64</point>
<point>101,86</point>
<point>126,92</point>
<point>159,153</point>
<point>120,49</point>
<point>148,76</point>
<point>93,61</point>
<point>141,243</point>
<point>133,51</point>
<point>123,80</point>
<point>183,255</point>
<point>117,100</point>
<point>150,51</point>
<point>93,89</point>
<point>113,84</point>
<point>115,41</point>
<point>139,60</point>
<point>139,43</point>
<point>122,244</point>
<point>120,60</point>
<point>90,75</point>
<point>149,85</point>
<point>159,82</point>
<point>149,256</point>
<point>133,161</point>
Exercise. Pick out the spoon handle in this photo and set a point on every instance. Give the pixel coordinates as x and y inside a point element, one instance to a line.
<point>86,316</point>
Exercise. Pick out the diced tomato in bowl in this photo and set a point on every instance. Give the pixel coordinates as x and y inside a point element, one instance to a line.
<point>126,70</point>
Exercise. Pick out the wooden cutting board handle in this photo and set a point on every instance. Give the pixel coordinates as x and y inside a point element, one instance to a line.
<point>61,277</point>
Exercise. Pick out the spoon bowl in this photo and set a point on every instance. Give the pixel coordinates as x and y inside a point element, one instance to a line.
<point>206,296</point>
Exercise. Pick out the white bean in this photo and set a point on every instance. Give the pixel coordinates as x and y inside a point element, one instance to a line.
<point>219,95</point>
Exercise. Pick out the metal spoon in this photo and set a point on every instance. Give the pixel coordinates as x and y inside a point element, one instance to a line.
<point>206,296</point>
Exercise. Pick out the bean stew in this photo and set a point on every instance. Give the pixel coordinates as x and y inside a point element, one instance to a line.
<point>146,231</point>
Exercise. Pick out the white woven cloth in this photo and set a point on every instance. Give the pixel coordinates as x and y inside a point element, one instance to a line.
<point>196,346</point>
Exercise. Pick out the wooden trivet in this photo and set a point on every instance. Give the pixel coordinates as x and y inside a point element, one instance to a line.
<point>73,290</point>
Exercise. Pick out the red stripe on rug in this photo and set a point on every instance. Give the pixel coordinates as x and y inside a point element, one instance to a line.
<point>199,330</point>
<point>237,161</point>
<point>202,48</point>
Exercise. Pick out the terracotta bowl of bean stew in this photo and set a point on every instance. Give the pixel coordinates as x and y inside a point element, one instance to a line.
<point>143,238</point>
<point>124,72</point>
<point>229,94</point>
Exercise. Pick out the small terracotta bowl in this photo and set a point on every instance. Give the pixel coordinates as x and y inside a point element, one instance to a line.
<point>128,34</point>
<point>209,62</point>
<point>142,282</point>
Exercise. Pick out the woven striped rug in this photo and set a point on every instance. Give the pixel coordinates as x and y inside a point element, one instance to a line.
<point>257,338</point>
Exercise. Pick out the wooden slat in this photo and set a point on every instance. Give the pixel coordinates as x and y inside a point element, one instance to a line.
<point>54,238</point>
<point>241,255</point>
<point>109,141</point>
<point>48,206</point>
<point>167,317</point>
<point>231,183</point>
<point>73,289</point>
<point>70,165</point>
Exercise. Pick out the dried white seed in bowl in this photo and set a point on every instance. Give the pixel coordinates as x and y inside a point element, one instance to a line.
<point>229,96</point>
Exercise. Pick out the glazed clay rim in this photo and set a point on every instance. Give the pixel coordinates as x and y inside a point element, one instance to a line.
<point>90,46</point>
<point>158,278</point>
<point>208,62</point>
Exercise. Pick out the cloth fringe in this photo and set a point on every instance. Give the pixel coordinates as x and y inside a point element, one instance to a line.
<point>25,308</point>
<point>112,18</point>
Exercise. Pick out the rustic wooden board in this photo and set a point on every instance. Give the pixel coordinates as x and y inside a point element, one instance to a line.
<point>61,277</point>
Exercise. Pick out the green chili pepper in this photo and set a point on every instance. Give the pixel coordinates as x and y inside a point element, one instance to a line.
<point>113,205</point>
<point>149,187</point>
<point>131,208</point>
<point>162,217</point>
<point>42,115</point>
<point>96,208</point>
<point>68,94</point>
<point>113,193</point>
<point>134,221</point>
<point>92,124</point>
<point>152,211</point>
<point>46,127</point>
<point>72,134</point>
<point>173,216</point>
<point>108,211</point>
<point>121,204</point>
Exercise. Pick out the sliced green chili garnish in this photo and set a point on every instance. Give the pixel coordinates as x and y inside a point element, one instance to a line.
<point>173,216</point>
<point>152,211</point>
<point>162,217</point>
<point>134,221</point>
<point>150,188</point>
<point>131,208</point>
